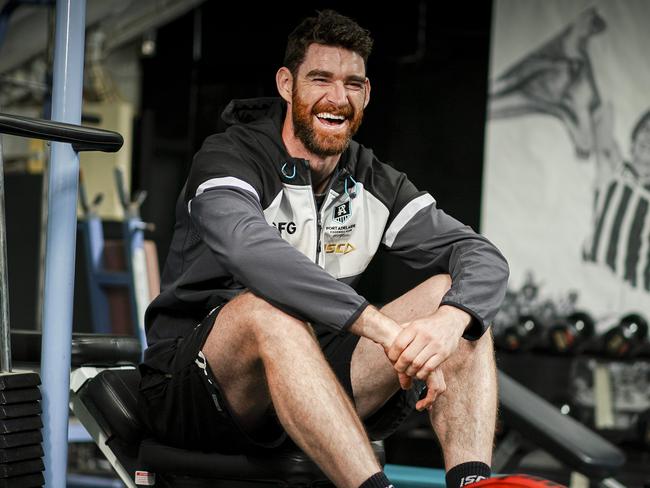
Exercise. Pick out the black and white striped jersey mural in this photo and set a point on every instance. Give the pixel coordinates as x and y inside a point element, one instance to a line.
<point>621,228</point>
<point>567,171</point>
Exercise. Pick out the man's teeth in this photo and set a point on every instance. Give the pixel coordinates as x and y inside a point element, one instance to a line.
<point>325,115</point>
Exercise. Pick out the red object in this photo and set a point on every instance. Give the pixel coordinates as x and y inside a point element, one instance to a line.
<point>516,481</point>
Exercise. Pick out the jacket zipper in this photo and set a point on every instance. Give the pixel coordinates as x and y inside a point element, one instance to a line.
<point>315,207</point>
<point>319,220</point>
<point>318,233</point>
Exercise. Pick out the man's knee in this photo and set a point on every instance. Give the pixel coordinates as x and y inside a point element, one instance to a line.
<point>435,288</point>
<point>267,322</point>
<point>420,301</point>
<point>472,354</point>
<point>441,282</point>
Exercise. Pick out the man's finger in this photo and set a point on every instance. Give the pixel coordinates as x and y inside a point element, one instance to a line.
<point>411,353</point>
<point>404,381</point>
<point>425,362</point>
<point>435,386</point>
<point>431,365</point>
<point>400,343</point>
<point>427,401</point>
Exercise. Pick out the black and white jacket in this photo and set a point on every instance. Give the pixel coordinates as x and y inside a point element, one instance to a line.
<point>247,219</point>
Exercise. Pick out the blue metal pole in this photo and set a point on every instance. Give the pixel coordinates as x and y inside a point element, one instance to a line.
<point>61,240</point>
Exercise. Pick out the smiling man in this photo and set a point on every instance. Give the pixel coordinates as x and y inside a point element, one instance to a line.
<point>258,331</point>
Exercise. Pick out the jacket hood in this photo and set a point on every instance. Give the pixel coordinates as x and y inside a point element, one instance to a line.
<point>248,110</point>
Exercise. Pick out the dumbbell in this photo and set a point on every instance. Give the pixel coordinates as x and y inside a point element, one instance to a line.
<point>573,334</point>
<point>627,338</point>
<point>525,334</point>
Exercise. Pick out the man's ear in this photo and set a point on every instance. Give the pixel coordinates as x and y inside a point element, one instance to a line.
<point>366,100</point>
<point>284,82</point>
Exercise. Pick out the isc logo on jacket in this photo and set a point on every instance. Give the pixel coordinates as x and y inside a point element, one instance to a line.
<point>341,248</point>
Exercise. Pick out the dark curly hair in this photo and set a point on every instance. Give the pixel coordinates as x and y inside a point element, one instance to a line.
<point>328,28</point>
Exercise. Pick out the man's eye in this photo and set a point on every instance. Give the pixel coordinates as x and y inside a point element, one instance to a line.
<point>355,86</point>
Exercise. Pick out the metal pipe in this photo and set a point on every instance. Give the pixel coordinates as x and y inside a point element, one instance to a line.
<point>61,240</point>
<point>5,334</point>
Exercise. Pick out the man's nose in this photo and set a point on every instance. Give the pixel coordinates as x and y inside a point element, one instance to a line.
<point>337,95</point>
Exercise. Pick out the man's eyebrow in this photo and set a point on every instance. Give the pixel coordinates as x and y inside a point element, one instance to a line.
<point>319,73</point>
<point>315,73</point>
<point>358,79</point>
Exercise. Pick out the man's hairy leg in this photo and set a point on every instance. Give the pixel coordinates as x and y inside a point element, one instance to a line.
<point>464,416</point>
<point>260,355</point>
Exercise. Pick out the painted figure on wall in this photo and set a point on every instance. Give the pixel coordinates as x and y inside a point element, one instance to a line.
<point>557,79</point>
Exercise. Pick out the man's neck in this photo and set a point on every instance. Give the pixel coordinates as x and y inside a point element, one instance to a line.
<point>321,168</point>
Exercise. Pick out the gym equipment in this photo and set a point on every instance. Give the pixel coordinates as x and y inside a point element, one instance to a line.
<point>20,411</point>
<point>534,422</point>
<point>99,279</point>
<point>61,227</point>
<point>92,235</point>
<point>105,401</point>
<point>133,234</point>
<point>62,199</point>
<point>20,421</point>
<point>612,395</point>
<point>627,338</point>
<point>524,335</point>
<point>20,428</point>
<point>573,334</point>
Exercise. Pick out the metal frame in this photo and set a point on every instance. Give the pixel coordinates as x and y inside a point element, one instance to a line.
<point>5,335</point>
<point>61,239</point>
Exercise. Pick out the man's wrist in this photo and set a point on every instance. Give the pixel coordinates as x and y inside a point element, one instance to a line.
<point>458,318</point>
<point>376,326</point>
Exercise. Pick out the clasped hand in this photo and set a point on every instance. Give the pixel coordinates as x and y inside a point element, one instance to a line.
<point>422,346</point>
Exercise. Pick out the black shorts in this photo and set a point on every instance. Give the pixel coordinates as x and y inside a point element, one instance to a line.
<point>185,407</point>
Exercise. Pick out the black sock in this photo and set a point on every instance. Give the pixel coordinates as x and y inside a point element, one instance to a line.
<point>466,474</point>
<point>377,480</point>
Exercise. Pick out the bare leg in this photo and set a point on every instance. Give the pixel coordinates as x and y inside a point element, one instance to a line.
<point>464,416</point>
<point>261,355</point>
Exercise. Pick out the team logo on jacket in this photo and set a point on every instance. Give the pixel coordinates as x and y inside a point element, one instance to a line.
<point>342,212</point>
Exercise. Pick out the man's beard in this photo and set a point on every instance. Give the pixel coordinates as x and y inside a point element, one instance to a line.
<point>317,142</point>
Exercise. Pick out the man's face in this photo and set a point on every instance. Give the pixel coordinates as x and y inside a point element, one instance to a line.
<point>329,94</point>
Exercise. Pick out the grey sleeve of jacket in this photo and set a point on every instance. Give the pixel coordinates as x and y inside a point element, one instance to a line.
<point>231,222</point>
<point>424,236</point>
